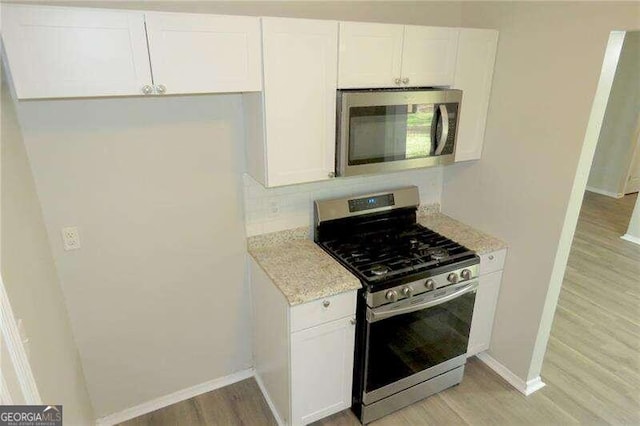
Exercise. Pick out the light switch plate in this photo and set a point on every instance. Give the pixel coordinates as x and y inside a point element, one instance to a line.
<point>71,238</point>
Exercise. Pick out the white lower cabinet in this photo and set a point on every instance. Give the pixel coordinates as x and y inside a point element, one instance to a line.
<point>486,301</point>
<point>321,370</point>
<point>303,355</point>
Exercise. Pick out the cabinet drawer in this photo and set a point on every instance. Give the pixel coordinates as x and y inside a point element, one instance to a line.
<point>491,262</point>
<point>323,310</point>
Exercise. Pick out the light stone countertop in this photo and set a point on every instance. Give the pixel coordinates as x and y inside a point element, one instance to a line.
<point>301,270</point>
<point>463,234</point>
<point>304,272</point>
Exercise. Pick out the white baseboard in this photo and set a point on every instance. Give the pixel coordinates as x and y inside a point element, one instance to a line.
<point>603,192</point>
<point>267,398</point>
<point>631,238</point>
<point>181,395</point>
<point>526,388</point>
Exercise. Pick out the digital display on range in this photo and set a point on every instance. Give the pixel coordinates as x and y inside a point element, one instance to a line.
<point>368,203</point>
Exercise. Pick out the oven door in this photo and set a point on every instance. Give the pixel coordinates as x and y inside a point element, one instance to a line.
<point>416,339</point>
<point>395,130</point>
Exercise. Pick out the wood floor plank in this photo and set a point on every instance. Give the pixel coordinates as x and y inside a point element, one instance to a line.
<point>591,369</point>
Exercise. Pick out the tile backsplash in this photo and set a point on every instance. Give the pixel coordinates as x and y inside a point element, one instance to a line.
<point>277,209</point>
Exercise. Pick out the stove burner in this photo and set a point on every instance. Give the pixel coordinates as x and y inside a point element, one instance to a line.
<point>413,243</point>
<point>378,256</point>
<point>380,270</point>
<point>438,253</point>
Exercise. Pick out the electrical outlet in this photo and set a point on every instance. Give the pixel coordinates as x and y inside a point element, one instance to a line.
<point>70,238</point>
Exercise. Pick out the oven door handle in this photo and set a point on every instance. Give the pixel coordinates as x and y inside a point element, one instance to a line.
<point>444,117</point>
<point>374,315</point>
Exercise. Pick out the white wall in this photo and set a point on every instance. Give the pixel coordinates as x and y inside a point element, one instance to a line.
<point>31,282</point>
<point>547,67</point>
<point>155,295</point>
<point>617,137</point>
<point>270,210</point>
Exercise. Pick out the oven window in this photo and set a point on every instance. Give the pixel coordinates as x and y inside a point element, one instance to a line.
<point>389,133</point>
<point>407,344</point>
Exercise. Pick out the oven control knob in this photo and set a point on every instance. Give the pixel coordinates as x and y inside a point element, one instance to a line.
<point>392,295</point>
<point>407,291</point>
<point>465,274</point>
<point>452,277</point>
<point>430,284</point>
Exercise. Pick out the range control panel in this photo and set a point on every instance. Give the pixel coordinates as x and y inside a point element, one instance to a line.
<point>368,203</point>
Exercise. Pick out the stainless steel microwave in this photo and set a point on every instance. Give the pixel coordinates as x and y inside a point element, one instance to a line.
<point>395,129</point>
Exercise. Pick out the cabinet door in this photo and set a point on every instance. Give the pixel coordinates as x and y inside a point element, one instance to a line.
<point>300,66</point>
<point>66,52</point>
<point>474,74</point>
<point>429,55</point>
<point>204,53</point>
<point>483,312</point>
<point>321,370</point>
<point>370,55</point>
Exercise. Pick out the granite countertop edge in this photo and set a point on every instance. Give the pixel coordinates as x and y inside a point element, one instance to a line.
<point>299,268</point>
<point>304,272</point>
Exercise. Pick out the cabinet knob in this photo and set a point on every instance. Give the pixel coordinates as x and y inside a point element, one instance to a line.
<point>398,81</point>
<point>353,321</point>
<point>326,303</point>
<point>405,81</point>
<point>161,89</point>
<point>146,89</point>
<point>491,257</point>
<point>332,174</point>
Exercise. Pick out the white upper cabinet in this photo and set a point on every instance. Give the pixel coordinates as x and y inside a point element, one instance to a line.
<point>370,55</point>
<point>204,53</point>
<point>474,74</point>
<point>429,55</point>
<point>300,68</point>
<point>384,55</point>
<point>56,52</point>
<point>67,52</point>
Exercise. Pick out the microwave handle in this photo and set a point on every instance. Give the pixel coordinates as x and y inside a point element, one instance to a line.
<point>444,116</point>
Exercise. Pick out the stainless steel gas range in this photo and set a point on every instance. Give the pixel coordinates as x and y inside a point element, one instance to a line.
<point>415,309</point>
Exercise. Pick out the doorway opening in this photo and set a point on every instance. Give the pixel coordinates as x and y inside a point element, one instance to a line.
<point>591,314</point>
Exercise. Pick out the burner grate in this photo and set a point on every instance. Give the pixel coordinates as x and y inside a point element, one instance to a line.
<point>386,254</point>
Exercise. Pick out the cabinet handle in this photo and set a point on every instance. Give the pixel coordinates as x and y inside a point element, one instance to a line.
<point>491,257</point>
<point>353,321</point>
<point>405,80</point>
<point>331,174</point>
<point>326,303</point>
<point>397,81</point>
<point>161,89</point>
<point>146,89</point>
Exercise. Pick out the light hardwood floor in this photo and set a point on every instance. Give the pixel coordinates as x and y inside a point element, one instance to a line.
<point>592,365</point>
